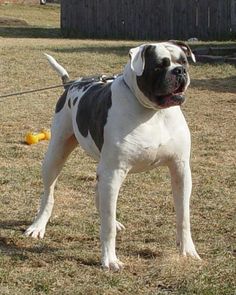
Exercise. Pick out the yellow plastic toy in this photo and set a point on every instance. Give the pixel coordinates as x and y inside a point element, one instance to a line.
<point>32,138</point>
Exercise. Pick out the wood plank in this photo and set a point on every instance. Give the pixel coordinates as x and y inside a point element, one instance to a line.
<point>146,19</point>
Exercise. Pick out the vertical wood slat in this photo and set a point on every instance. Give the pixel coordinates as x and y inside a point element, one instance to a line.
<point>146,19</point>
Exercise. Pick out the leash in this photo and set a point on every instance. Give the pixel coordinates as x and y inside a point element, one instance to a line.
<point>103,79</point>
<point>2,97</point>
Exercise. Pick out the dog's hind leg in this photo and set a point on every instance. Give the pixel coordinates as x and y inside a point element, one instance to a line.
<point>61,145</point>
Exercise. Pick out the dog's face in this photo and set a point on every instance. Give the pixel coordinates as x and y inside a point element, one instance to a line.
<point>161,72</point>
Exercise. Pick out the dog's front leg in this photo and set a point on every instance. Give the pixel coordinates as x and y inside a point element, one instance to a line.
<point>181,182</point>
<point>119,226</point>
<point>109,182</point>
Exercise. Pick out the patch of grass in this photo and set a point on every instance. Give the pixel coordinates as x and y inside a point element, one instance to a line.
<point>34,15</point>
<point>67,260</point>
<point>40,21</point>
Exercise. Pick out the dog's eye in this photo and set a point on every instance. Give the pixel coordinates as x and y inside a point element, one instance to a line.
<point>165,63</point>
<point>183,61</point>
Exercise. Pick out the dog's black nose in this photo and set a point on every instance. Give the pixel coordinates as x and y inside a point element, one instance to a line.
<point>178,71</point>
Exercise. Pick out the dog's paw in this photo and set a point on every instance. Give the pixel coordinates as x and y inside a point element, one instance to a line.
<point>189,250</point>
<point>115,265</point>
<point>119,226</point>
<point>35,231</point>
<point>192,253</point>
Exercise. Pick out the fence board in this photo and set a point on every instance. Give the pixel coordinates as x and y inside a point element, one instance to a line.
<point>146,19</point>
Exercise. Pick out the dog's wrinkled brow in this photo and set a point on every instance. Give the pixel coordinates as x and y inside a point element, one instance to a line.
<point>176,55</point>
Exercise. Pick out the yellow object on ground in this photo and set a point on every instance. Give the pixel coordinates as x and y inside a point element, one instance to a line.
<point>32,138</point>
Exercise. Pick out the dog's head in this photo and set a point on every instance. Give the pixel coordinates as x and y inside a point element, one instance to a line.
<point>159,73</point>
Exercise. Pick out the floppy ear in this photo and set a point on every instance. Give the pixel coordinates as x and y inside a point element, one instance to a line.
<point>137,60</point>
<point>185,47</point>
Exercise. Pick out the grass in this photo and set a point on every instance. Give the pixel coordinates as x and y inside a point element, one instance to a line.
<point>44,22</point>
<point>67,260</point>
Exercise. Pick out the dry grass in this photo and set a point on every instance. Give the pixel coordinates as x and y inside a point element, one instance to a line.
<point>67,260</point>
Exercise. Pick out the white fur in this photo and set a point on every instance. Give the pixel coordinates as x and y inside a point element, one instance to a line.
<point>137,61</point>
<point>56,66</point>
<point>136,138</point>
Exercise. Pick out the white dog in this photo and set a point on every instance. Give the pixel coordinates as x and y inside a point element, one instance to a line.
<point>131,123</point>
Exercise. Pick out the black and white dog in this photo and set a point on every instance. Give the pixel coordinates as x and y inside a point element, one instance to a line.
<point>130,124</point>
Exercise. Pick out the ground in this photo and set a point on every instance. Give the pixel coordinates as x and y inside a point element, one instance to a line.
<point>67,260</point>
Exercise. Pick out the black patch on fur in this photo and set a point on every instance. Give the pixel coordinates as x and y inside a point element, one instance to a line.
<point>80,84</point>
<point>93,110</point>
<point>69,103</point>
<point>85,82</point>
<point>85,87</point>
<point>61,102</point>
<point>75,100</point>
<point>152,81</point>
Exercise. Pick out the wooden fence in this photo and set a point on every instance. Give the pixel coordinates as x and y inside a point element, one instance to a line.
<point>147,19</point>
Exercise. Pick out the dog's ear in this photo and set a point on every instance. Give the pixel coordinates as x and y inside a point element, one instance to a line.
<point>185,47</point>
<point>137,60</point>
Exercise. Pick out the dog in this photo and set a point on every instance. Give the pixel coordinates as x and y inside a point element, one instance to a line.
<point>129,123</point>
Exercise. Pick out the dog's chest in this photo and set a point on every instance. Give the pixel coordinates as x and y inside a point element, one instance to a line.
<point>148,146</point>
<point>145,138</point>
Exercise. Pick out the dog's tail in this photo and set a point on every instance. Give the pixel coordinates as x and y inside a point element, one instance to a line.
<point>58,68</point>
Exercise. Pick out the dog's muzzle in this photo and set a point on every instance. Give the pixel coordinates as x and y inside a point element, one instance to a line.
<point>176,96</point>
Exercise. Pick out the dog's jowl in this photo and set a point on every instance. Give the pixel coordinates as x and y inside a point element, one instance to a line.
<point>131,123</point>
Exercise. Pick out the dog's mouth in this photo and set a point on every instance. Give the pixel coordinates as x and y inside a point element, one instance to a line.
<point>175,98</point>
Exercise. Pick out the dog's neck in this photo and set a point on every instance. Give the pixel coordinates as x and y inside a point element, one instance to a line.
<point>131,82</point>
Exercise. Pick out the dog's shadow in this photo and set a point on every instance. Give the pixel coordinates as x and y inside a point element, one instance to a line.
<point>24,249</point>
<point>13,224</point>
<point>14,246</point>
